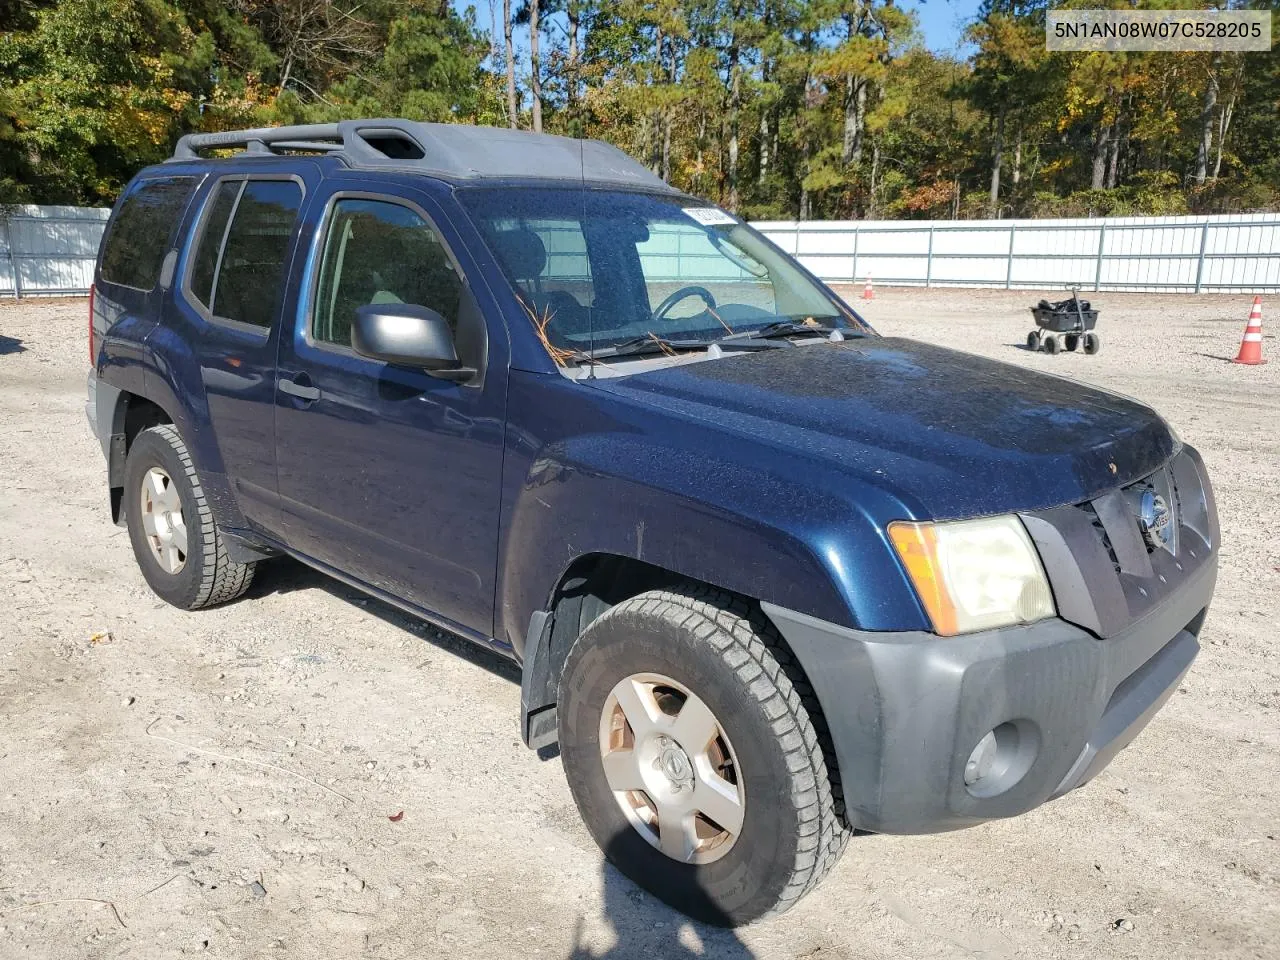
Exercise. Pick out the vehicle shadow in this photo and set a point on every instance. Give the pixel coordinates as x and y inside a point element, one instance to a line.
<point>10,345</point>
<point>286,575</point>
<point>645,928</point>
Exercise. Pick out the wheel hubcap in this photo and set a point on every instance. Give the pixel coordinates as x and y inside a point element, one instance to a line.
<point>163,521</point>
<point>671,768</point>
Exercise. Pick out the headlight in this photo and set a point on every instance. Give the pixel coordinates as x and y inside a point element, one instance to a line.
<point>974,574</point>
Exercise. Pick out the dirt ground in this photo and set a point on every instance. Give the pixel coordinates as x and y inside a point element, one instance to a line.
<point>223,783</point>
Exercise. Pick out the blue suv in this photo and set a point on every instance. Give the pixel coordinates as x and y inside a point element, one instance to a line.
<point>770,577</point>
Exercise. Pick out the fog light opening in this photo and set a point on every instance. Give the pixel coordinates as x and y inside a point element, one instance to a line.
<point>1001,758</point>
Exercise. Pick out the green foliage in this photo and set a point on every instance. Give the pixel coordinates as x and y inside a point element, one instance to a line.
<point>822,108</point>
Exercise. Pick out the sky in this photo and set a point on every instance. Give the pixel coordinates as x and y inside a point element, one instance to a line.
<point>941,21</point>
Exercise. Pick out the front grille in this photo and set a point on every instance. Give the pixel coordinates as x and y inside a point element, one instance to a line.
<point>1087,509</point>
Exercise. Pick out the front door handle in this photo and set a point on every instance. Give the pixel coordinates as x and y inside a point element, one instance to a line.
<point>301,390</point>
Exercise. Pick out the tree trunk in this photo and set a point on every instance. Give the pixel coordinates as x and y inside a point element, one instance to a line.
<point>511,65</point>
<point>735,104</point>
<point>1113,159</point>
<point>1206,124</point>
<point>658,114</point>
<point>535,66</point>
<point>873,210</point>
<point>1016,173</point>
<point>700,174</point>
<point>574,17</point>
<point>997,158</point>
<point>1224,126</point>
<point>855,110</point>
<point>1101,138</point>
<point>763,172</point>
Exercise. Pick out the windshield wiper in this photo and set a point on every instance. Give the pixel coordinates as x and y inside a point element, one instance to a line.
<point>787,328</point>
<point>651,343</point>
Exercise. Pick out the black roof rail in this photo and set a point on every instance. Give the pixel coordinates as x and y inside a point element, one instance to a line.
<point>321,137</point>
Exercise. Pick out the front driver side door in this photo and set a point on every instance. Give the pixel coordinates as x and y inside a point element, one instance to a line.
<point>386,474</point>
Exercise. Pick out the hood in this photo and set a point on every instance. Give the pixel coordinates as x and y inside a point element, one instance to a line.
<point>952,434</point>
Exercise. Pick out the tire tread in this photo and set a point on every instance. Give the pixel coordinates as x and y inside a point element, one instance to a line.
<point>222,579</point>
<point>750,646</point>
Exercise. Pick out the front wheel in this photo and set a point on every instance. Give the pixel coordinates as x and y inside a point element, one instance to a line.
<point>1091,343</point>
<point>1033,340</point>
<point>175,541</point>
<point>694,749</point>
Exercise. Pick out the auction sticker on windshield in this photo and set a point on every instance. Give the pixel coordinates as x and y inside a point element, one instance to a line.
<point>709,216</point>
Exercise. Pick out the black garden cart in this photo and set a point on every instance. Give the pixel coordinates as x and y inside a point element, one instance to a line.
<point>1073,318</point>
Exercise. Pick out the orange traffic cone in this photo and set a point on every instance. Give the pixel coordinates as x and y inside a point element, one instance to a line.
<point>867,292</point>
<point>1251,345</point>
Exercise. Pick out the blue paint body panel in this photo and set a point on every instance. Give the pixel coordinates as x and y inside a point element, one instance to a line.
<point>772,470</point>
<point>772,473</point>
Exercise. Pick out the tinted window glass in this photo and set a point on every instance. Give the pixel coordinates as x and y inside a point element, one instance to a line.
<point>379,252</point>
<point>248,285</point>
<point>602,267</point>
<point>139,236</point>
<point>220,203</point>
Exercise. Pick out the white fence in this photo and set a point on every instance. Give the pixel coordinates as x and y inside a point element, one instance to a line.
<point>51,250</point>
<point>48,250</point>
<point>1238,254</point>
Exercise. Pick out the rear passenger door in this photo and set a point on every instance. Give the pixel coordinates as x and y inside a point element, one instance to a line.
<point>234,290</point>
<point>387,474</point>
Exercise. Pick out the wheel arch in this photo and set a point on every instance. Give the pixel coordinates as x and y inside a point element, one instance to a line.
<point>132,414</point>
<point>590,585</point>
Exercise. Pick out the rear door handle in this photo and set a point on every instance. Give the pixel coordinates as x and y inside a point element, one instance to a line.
<point>303,391</point>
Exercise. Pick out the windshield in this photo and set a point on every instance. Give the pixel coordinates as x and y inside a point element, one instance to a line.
<point>599,268</point>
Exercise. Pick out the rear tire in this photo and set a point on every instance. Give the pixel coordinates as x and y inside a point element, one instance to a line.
<point>1092,344</point>
<point>1033,341</point>
<point>700,646</point>
<point>175,540</point>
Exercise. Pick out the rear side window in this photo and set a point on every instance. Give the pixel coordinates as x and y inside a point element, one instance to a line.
<point>139,234</point>
<point>238,268</point>
<point>221,204</point>
<point>380,252</point>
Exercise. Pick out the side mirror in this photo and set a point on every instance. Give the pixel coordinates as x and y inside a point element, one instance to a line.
<point>407,335</point>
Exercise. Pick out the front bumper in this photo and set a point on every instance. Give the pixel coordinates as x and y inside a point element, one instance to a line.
<point>906,710</point>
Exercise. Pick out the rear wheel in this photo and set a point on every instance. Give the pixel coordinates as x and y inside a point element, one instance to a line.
<point>692,745</point>
<point>175,540</point>
<point>1071,341</point>
<point>1033,340</point>
<point>1050,344</point>
<point>1091,343</point>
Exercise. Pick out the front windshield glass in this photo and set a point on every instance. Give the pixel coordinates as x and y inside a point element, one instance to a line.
<point>600,268</point>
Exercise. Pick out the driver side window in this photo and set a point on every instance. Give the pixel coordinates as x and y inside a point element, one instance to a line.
<point>377,251</point>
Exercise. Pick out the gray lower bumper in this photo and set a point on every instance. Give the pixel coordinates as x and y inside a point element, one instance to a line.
<point>905,710</point>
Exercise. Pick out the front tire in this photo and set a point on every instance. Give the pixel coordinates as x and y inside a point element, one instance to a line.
<point>175,541</point>
<point>693,746</point>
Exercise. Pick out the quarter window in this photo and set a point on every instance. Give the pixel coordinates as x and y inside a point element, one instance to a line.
<point>139,236</point>
<point>238,267</point>
<point>205,267</point>
<point>376,251</point>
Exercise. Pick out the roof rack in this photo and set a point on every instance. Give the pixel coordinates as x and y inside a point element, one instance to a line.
<point>318,137</point>
<point>454,151</point>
